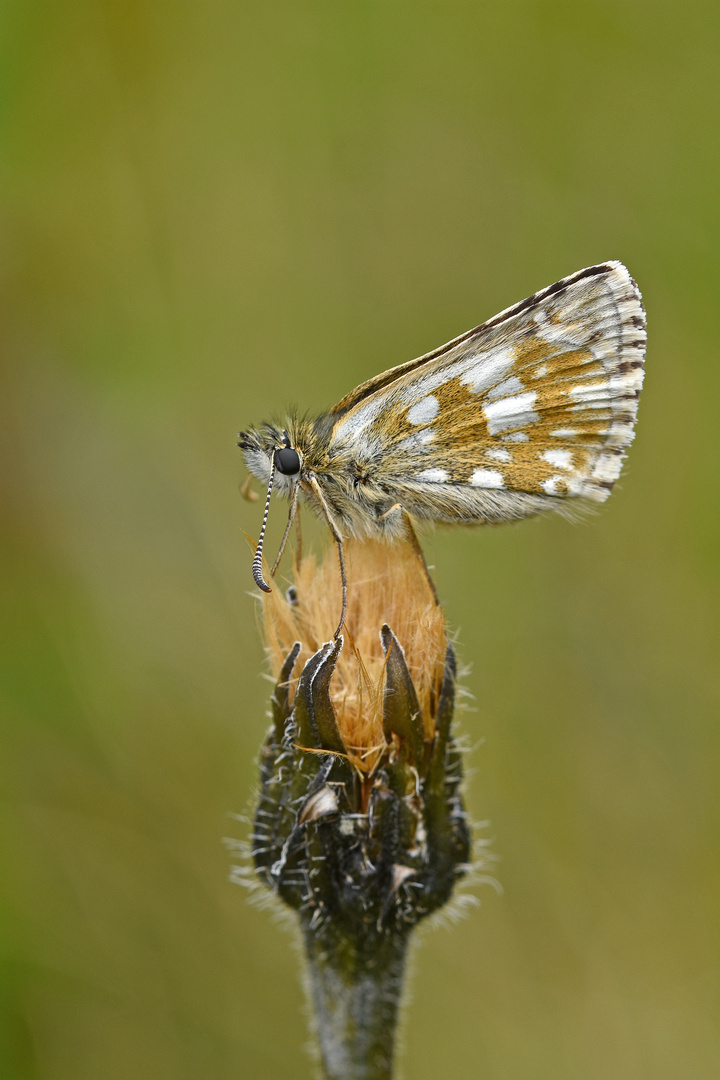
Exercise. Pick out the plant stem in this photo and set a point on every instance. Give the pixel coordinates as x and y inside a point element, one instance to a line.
<point>356,988</point>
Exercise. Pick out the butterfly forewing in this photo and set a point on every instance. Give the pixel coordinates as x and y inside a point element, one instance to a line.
<point>533,407</point>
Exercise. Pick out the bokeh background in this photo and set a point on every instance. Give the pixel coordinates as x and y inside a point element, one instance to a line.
<point>213,210</point>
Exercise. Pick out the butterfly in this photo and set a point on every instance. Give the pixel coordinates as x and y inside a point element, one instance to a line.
<point>531,411</point>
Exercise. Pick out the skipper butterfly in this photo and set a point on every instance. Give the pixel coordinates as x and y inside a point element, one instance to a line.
<point>531,411</point>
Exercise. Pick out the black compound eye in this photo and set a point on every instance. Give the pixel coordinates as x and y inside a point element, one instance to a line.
<point>287,461</point>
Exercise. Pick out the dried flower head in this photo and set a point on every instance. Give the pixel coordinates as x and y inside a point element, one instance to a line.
<point>360,825</point>
<point>389,587</point>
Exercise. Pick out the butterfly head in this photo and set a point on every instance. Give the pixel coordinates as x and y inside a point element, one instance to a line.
<point>271,450</point>
<point>271,456</point>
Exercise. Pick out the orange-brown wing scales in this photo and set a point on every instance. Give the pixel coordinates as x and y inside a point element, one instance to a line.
<point>539,402</point>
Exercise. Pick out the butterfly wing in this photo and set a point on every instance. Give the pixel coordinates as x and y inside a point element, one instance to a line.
<point>527,411</point>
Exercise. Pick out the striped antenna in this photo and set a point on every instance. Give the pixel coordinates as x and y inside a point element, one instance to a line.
<point>257,561</point>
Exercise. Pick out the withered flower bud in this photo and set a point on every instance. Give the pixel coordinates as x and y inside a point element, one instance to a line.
<point>360,825</point>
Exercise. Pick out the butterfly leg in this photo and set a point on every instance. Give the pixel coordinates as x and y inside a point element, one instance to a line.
<point>337,536</point>
<point>298,533</point>
<point>399,513</point>
<point>291,516</point>
<point>247,492</point>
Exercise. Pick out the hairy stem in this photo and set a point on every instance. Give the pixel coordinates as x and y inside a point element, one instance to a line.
<point>356,992</point>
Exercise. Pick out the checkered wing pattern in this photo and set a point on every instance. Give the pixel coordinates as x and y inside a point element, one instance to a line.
<point>532,410</point>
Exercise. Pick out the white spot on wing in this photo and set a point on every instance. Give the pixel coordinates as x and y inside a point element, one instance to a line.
<point>504,389</point>
<point>561,459</point>
<point>591,391</point>
<point>434,476</point>
<point>487,368</point>
<point>510,412</point>
<point>516,436</point>
<point>423,411</point>
<point>550,487</point>
<point>487,478</point>
<point>419,438</point>
<point>564,433</point>
<point>499,455</point>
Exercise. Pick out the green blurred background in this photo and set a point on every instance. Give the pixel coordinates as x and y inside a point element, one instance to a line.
<point>216,209</point>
